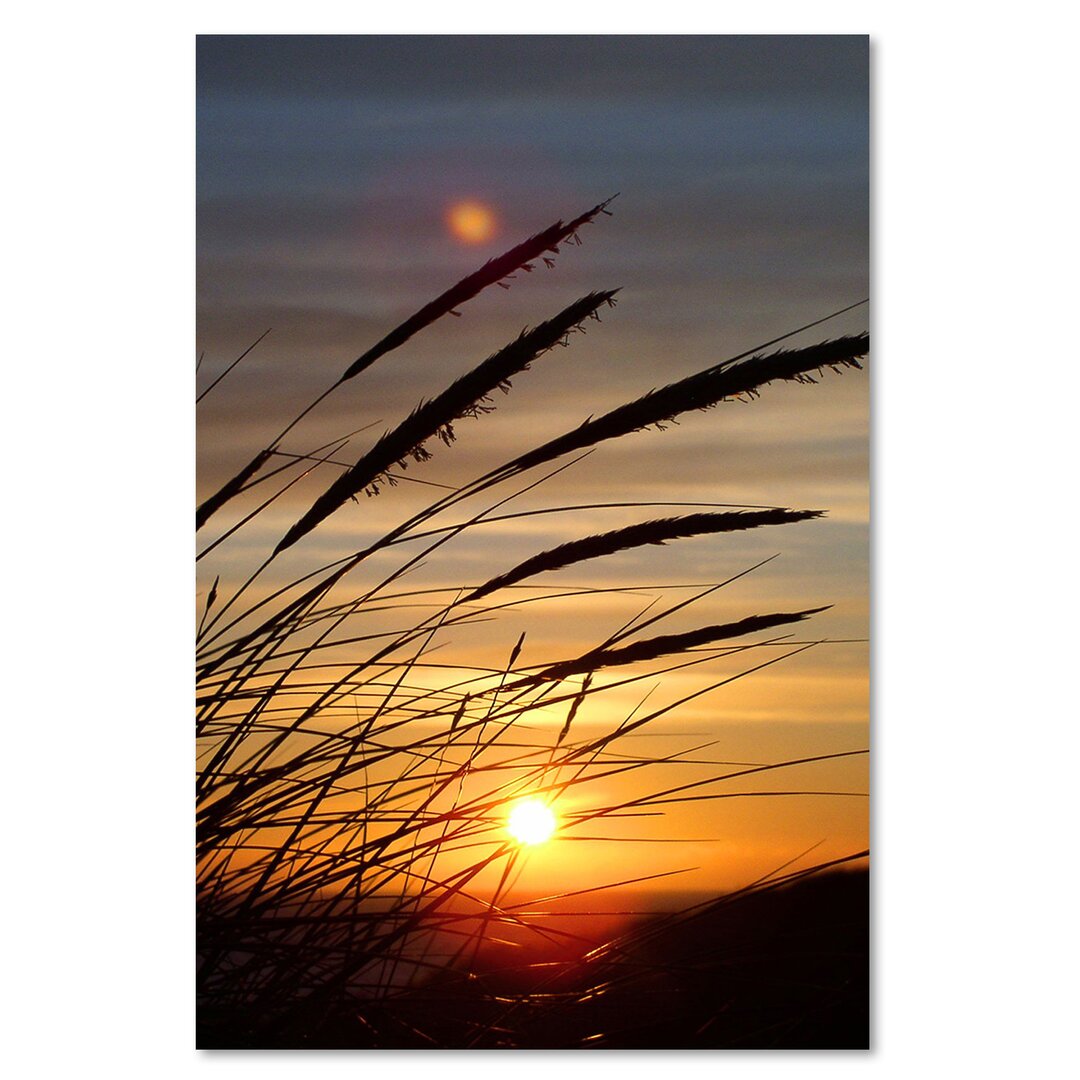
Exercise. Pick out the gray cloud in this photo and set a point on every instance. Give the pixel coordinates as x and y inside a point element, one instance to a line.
<point>541,66</point>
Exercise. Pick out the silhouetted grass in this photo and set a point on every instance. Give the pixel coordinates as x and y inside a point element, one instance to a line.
<point>658,531</point>
<point>354,878</point>
<point>468,397</point>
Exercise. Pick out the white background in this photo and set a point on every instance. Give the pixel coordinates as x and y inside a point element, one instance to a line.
<point>975,392</point>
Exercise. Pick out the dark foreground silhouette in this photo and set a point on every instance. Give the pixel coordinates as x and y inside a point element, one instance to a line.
<point>781,969</point>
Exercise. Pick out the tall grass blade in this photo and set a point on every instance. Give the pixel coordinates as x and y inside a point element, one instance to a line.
<point>659,532</point>
<point>663,645</point>
<point>698,392</point>
<point>231,488</point>
<point>466,397</point>
<point>521,257</point>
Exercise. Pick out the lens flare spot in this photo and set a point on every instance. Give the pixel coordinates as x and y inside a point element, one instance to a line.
<point>531,822</point>
<point>471,222</point>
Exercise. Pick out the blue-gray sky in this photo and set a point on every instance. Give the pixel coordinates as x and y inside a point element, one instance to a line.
<point>325,165</point>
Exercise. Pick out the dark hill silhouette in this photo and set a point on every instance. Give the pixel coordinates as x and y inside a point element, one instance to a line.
<point>781,969</point>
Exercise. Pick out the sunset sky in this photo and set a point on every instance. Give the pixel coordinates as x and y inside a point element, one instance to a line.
<point>344,182</point>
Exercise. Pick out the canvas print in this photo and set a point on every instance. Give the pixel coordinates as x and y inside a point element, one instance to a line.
<point>532,542</point>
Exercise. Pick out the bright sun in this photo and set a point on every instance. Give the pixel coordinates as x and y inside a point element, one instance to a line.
<point>531,822</point>
<point>471,222</point>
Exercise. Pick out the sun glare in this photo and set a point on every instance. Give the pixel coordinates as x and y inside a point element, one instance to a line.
<point>471,222</point>
<point>531,822</point>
